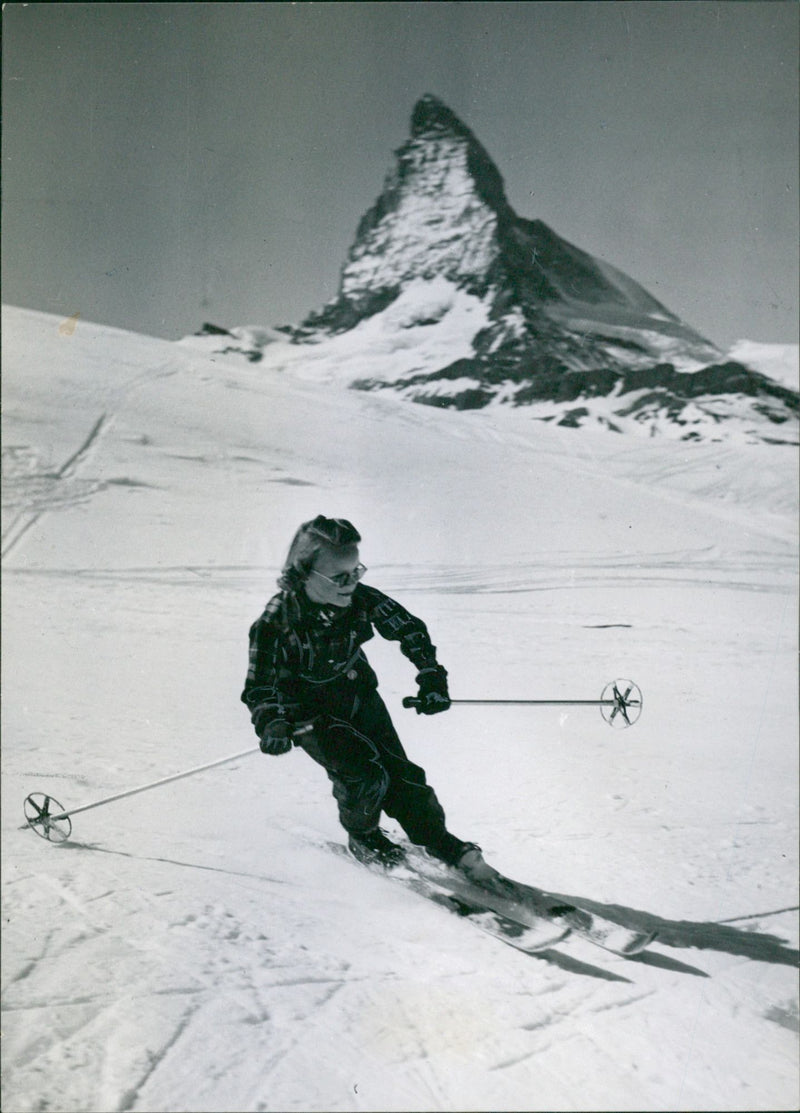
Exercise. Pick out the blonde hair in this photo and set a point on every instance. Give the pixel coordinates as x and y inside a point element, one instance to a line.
<point>318,535</point>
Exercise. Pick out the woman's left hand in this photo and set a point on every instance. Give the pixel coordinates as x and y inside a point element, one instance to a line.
<point>432,703</point>
<point>433,695</point>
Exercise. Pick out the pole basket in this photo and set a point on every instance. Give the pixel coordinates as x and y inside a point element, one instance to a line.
<point>621,703</point>
<point>45,816</point>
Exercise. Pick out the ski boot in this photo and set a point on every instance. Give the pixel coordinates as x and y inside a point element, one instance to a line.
<point>471,863</point>
<point>373,847</point>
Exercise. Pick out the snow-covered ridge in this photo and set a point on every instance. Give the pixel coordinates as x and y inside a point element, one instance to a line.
<point>431,321</point>
<point>779,362</point>
<point>438,344</point>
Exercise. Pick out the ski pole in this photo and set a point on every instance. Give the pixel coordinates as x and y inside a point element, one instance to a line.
<point>41,814</point>
<point>414,701</point>
<point>620,702</point>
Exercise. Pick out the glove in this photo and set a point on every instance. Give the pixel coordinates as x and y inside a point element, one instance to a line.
<point>277,738</point>
<point>433,696</point>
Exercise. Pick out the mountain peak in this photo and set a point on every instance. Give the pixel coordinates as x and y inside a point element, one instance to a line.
<point>454,300</point>
<point>436,218</point>
<point>443,215</point>
<point>432,116</point>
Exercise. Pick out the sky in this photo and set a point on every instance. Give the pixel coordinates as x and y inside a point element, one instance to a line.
<point>170,164</point>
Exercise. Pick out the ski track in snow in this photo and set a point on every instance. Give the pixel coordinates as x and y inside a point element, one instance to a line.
<point>53,491</point>
<point>197,947</point>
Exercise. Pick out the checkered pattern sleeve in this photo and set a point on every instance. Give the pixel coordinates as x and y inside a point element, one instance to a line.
<point>393,622</point>
<point>268,690</point>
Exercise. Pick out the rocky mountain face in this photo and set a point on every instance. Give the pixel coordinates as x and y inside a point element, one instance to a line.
<point>443,213</point>
<point>540,322</point>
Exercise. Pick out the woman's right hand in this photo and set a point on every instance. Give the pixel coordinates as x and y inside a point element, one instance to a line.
<point>277,738</point>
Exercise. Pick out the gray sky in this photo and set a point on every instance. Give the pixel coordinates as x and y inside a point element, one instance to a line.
<point>166,164</point>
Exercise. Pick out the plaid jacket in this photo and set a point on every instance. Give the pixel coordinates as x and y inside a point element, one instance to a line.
<point>298,647</point>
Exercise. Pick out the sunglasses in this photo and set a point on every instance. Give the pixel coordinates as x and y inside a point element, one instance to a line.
<point>343,579</point>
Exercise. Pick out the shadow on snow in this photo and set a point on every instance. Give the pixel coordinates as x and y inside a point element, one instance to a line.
<point>702,935</point>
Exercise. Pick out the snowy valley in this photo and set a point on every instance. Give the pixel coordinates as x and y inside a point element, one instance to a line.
<point>199,947</point>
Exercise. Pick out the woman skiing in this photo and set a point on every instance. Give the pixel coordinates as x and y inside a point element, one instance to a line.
<point>310,684</point>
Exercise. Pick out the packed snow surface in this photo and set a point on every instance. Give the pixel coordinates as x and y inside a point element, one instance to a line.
<point>199,946</point>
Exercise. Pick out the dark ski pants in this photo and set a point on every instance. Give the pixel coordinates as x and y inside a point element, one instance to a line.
<point>370,772</point>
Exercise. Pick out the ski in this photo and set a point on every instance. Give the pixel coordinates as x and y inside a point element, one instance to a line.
<point>538,933</point>
<point>602,932</point>
<point>524,904</point>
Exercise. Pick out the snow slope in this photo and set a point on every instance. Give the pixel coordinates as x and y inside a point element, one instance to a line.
<point>198,947</point>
